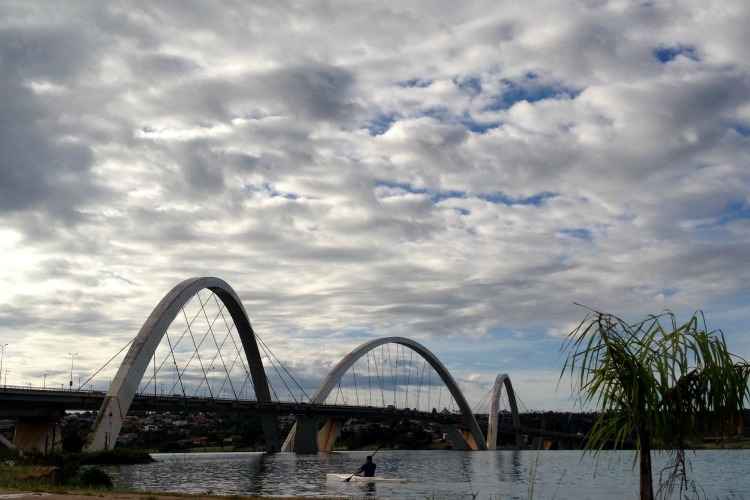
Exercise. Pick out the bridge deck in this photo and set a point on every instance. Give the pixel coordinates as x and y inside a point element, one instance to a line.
<point>18,402</point>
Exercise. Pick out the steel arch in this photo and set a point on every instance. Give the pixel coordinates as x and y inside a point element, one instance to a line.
<point>331,381</point>
<point>502,380</point>
<point>125,384</point>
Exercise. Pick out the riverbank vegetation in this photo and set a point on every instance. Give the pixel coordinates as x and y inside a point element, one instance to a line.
<point>64,470</point>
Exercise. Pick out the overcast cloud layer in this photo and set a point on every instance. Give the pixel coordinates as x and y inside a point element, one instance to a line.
<point>459,174</point>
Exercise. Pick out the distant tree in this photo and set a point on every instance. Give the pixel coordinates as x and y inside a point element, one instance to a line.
<point>72,441</point>
<point>655,385</point>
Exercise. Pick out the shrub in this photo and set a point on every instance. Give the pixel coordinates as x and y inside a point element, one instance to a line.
<point>94,477</point>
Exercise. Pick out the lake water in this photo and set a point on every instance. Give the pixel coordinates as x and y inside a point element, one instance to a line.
<point>431,474</point>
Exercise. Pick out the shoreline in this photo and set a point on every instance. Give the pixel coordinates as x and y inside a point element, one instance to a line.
<point>84,494</point>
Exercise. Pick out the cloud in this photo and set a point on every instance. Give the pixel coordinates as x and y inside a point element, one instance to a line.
<point>44,165</point>
<point>457,174</point>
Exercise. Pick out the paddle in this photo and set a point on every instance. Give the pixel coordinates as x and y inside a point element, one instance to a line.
<point>354,473</point>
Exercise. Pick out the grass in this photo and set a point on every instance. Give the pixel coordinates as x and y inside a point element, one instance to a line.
<point>13,476</point>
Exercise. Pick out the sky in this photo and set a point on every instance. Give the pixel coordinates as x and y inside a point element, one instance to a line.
<point>459,173</point>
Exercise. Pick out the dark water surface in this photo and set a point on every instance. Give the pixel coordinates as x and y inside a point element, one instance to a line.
<point>431,474</point>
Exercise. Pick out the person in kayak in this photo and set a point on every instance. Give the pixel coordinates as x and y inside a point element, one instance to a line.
<point>368,468</point>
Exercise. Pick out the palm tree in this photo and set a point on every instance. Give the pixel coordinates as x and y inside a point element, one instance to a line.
<point>656,386</point>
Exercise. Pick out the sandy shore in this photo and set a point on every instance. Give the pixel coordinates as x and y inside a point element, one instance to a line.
<point>109,496</point>
<point>22,495</point>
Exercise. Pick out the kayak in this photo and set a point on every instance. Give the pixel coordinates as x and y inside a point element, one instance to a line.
<point>361,479</point>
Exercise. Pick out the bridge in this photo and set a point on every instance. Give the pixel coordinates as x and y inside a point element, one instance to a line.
<point>171,364</point>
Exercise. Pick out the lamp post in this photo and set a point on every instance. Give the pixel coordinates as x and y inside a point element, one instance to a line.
<point>3,348</point>
<point>72,357</point>
<point>44,381</point>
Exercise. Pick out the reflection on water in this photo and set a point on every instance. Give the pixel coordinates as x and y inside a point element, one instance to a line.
<point>431,474</point>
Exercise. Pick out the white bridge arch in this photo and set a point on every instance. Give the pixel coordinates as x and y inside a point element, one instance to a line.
<point>502,381</point>
<point>124,386</point>
<point>331,381</point>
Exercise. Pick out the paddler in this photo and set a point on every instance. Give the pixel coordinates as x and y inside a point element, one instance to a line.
<point>368,468</point>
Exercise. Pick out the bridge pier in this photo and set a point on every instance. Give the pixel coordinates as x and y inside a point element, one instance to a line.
<point>6,443</point>
<point>459,440</point>
<point>328,434</point>
<point>41,435</point>
<point>470,441</point>
<point>306,438</point>
<point>271,433</point>
<point>306,435</point>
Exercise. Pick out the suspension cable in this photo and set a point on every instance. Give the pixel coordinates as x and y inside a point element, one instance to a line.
<point>421,379</point>
<point>213,362</point>
<point>177,343</point>
<point>198,354</point>
<point>218,351</point>
<point>356,389</point>
<point>343,398</point>
<point>224,383</point>
<point>197,348</point>
<point>369,379</point>
<point>429,389</point>
<point>176,368</point>
<point>284,368</point>
<point>394,365</point>
<point>237,349</point>
<point>105,365</point>
<point>380,378</point>
<point>408,377</point>
<point>279,373</point>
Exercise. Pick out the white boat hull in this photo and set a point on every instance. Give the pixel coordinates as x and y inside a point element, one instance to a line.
<point>361,479</point>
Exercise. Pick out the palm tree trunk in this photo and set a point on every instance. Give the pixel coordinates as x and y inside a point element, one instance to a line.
<point>647,486</point>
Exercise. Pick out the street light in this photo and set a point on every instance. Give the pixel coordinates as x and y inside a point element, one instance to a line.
<point>72,357</point>
<point>2,357</point>
<point>44,381</point>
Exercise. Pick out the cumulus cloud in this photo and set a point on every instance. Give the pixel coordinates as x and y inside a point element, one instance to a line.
<point>456,174</point>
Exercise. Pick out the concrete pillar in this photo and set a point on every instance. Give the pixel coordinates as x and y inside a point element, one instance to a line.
<point>306,435</point>
<point>271,433</point>
<point>6,443</point>
<point>470,441</point>
<point>42,435</point>
<point>328,434</point>
<point>456,437</point>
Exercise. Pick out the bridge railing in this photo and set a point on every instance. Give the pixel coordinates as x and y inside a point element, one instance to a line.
<point>49,389</point>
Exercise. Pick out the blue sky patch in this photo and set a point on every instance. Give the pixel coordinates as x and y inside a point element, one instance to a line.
<point>415,83</point>
<point>436,196</point>
<point>275,193</point>
<point>443,115</point>
<point>440,113</point>
<point>470,85</point>
<point>742,129</point>
<point>735,210</point>
<point>504,199</point>
<point>271,191</point>
<point>478,127</point>
<point>531,92</point>
<point>381,123</point>
<point>665,54</point>
<point>577,232</point>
